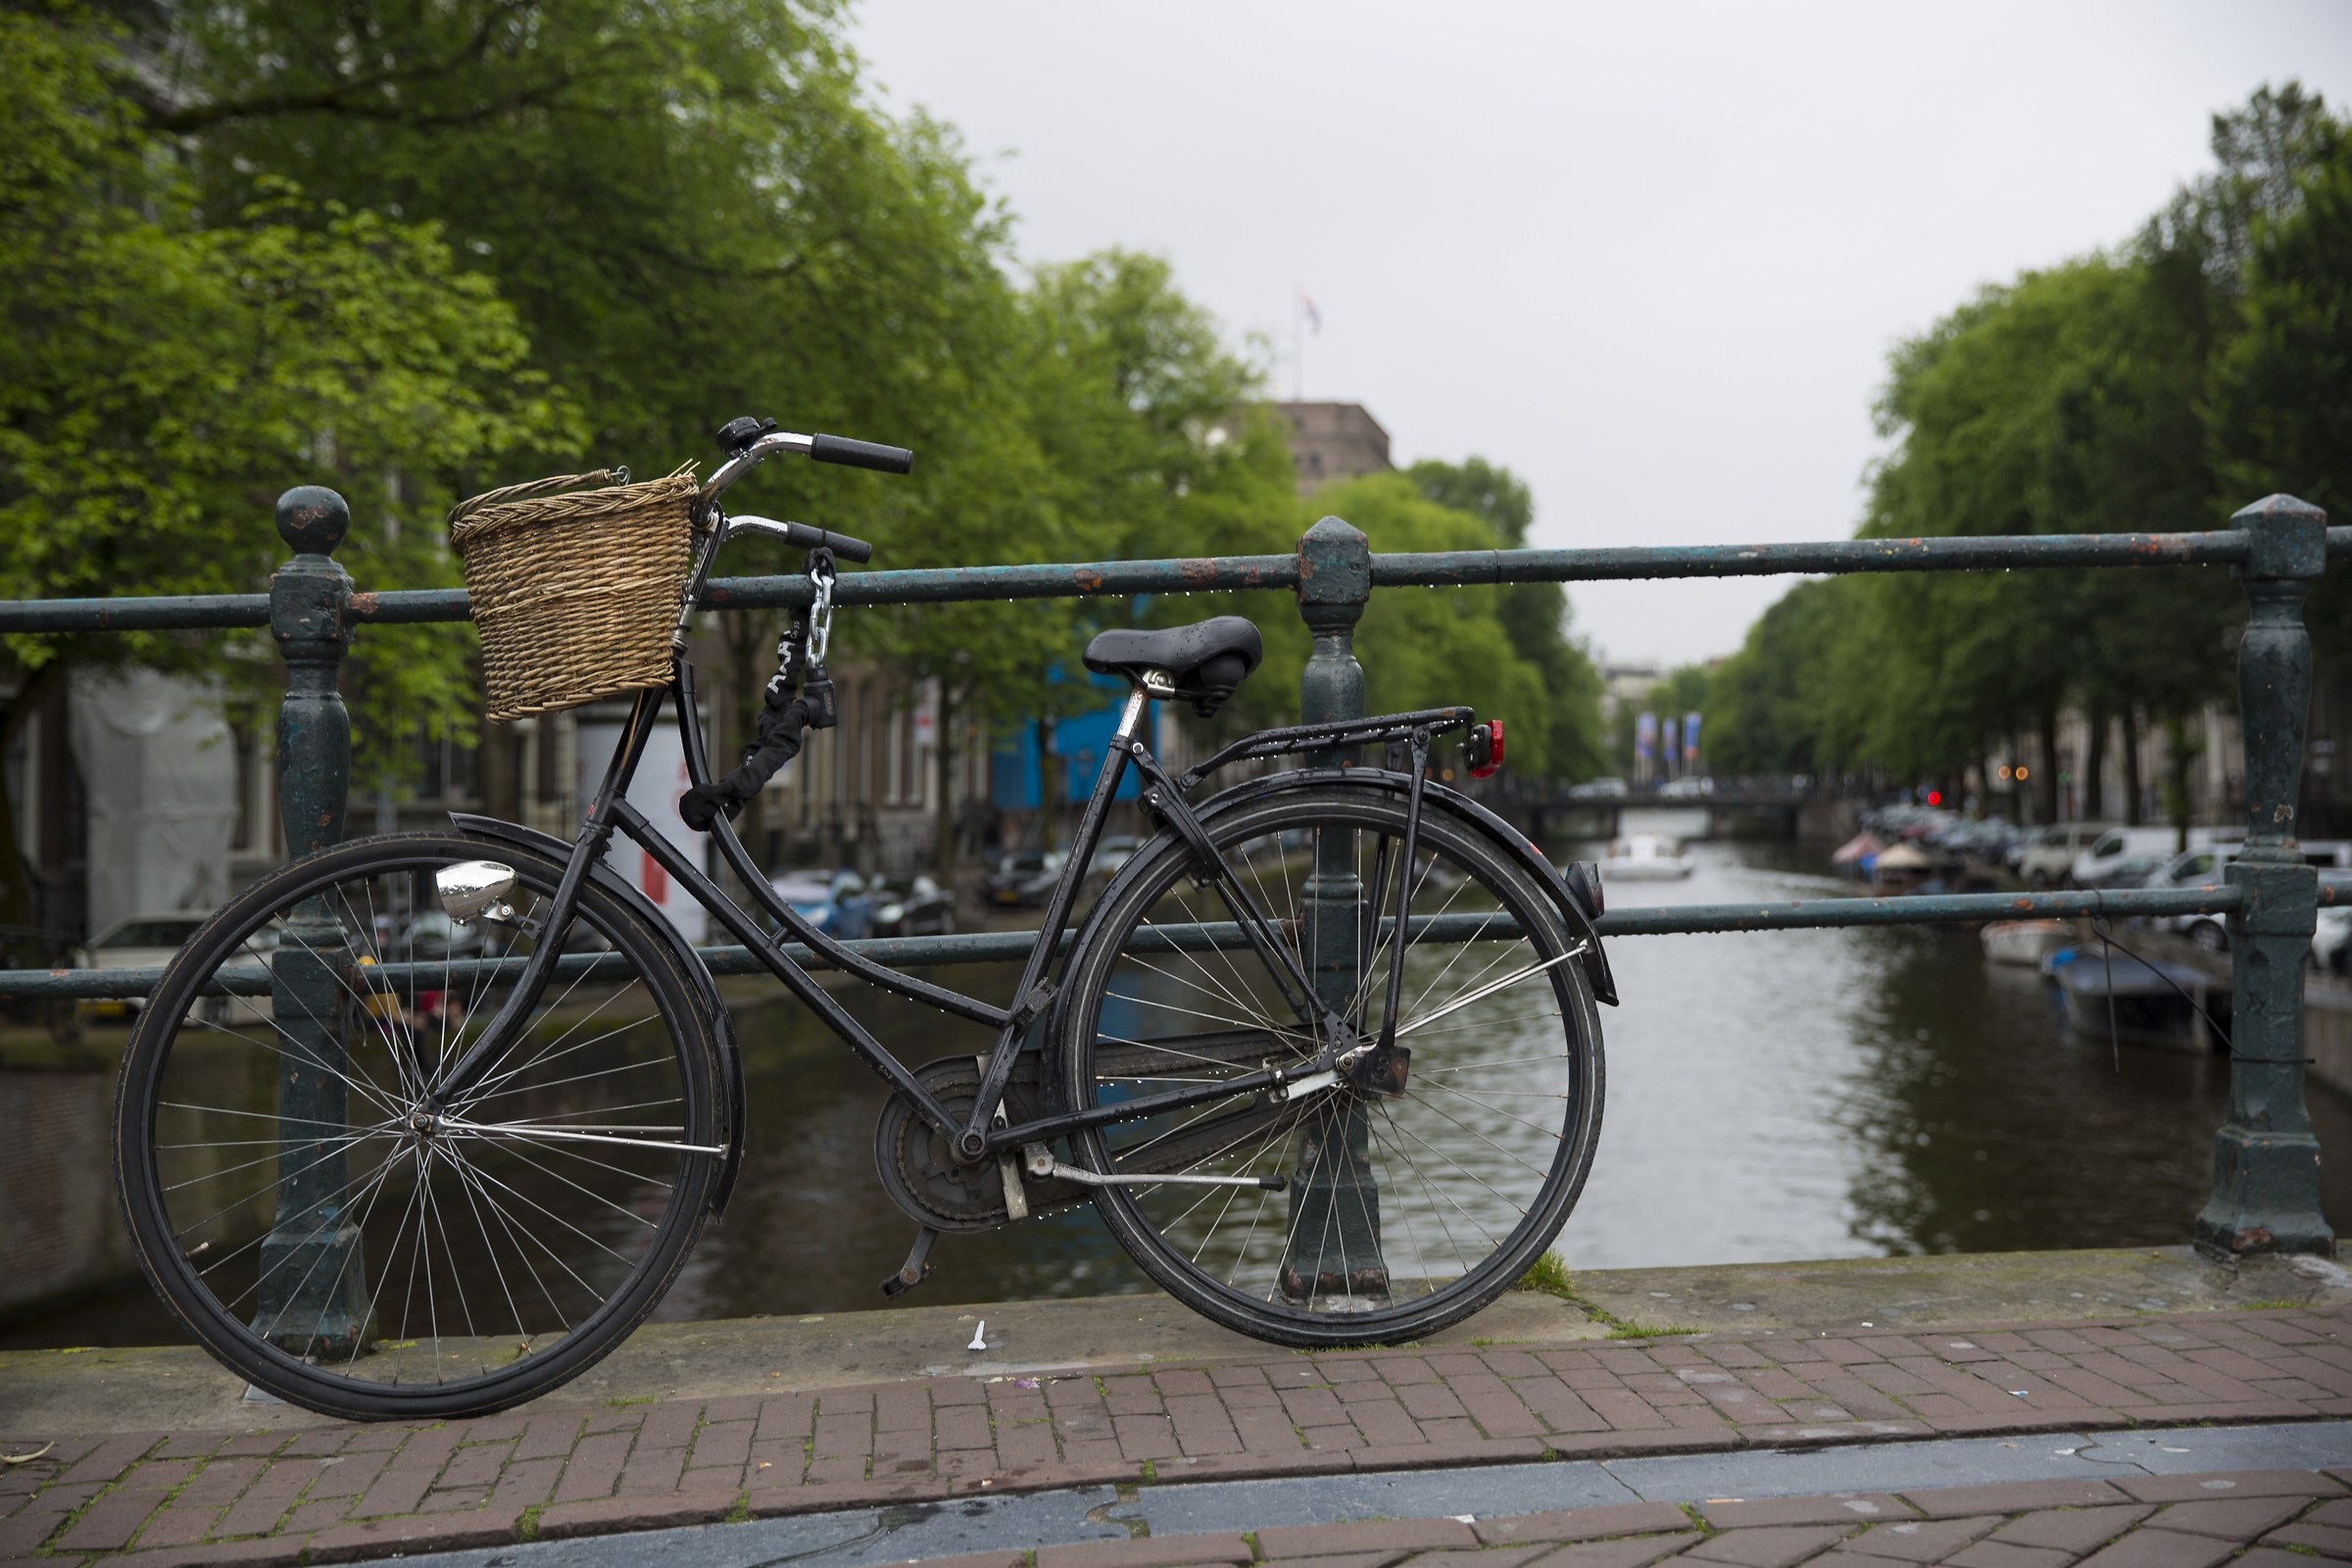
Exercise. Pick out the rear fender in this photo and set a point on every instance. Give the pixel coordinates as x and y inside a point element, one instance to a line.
<point>1501,834</point>
<point>714,1010</point>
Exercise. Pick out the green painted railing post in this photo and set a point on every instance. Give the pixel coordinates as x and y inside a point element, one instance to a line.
<point>312,1296</point>
<point>2266,1167</point>
<point>1335,1204</point>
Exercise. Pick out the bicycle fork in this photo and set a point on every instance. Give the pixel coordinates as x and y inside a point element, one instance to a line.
<point>596,834</point>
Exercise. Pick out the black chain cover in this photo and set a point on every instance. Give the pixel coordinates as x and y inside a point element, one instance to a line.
<point>917,1166</point>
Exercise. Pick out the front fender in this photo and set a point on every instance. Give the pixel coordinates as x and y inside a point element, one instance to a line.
<point>1501,834</point>
<point>714,1010</point>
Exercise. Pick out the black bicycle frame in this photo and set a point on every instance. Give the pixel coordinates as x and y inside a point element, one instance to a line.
<point>973,1135</point>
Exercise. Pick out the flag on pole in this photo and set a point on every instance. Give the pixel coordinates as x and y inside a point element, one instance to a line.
<point>1308,314</point>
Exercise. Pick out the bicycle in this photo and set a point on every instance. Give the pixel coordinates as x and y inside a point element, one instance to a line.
<point>424,1124</point>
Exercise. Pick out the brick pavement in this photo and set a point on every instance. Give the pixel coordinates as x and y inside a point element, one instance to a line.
<point>340,1493</point>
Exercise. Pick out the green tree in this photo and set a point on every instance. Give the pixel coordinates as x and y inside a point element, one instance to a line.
<point>1535,615</point>
<point>168,370</point>
<point>694,210</point>
<point>1439,647</point>
<point>2282,390</point>
<point>1124,429</point>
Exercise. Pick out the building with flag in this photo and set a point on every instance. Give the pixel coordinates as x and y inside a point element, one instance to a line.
<point>1333,441</point>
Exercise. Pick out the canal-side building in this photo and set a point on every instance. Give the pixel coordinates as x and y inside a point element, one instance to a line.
<point>1332,442</point>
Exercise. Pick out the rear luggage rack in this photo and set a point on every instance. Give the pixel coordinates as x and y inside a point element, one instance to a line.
<point>1316,737</point>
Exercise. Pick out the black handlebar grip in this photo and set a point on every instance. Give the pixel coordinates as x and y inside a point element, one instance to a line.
<point>861,454</point>
<point>846,547</point>
<point>841,544</point>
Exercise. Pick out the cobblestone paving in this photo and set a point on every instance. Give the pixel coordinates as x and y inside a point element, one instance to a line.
<point>341,1492</point>
<point>2274,1518</point>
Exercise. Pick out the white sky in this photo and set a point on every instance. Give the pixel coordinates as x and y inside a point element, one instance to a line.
<point>1650,257</point>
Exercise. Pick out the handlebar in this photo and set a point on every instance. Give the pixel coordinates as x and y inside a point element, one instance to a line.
<point>747,442</point>
<point>861,454</point>
<point>802,536</point>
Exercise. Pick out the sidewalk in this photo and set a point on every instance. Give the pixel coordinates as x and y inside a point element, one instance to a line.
<point>332,1493</point>
<point>2279,1519</point>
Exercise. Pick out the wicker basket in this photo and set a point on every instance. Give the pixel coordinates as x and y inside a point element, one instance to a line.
<point>575,591</point>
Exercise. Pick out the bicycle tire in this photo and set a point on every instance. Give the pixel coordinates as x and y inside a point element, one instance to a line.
<point>557,1235</point>
<point>1193,1015</point>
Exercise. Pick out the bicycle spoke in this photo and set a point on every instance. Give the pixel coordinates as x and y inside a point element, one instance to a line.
<point>1397,1203</point>
<point>566,1179</point>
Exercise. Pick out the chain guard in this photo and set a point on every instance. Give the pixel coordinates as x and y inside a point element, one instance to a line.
<point>919,1172</point>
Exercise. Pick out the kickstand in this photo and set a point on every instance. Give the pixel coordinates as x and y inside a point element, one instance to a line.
<point>917,1266</point>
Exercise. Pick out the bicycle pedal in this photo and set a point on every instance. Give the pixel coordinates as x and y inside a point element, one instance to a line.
<point>916,1268</point>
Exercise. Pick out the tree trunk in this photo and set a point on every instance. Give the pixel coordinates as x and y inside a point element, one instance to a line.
<point>942,755</point>
<point>1048,785</point>
<point>2133,787</point>
<point>2181,751</point>
<point>501,793</point>
<point>746,636</point>
<point>15,872</point>
<point>2047,774</point>
<point>2021,799</point>
<point>2094,766</point>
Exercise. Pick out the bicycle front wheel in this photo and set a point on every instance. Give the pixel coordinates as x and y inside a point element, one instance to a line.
<point>339,1243</point>
<point>1411,1198</point>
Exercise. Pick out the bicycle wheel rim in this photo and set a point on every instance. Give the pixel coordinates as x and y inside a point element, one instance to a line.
<point>1432,1237</point>
<point>348,1263</point>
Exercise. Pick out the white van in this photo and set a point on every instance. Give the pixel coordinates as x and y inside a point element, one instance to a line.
<point>2116,844</point>
<point>2051,851</point>
<point>2206,864</point>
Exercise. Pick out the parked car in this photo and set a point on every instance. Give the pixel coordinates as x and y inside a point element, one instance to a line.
<point>2195,868</point>
<point>1600,789</point>
<point>920,909</point>
<point>1115,851</point>
<point>1023,877</point>
<point>2049,854</point>
<point>834,902</point>
<point>2332,939</point>
<point>2123,871</point>
<point>1689,787</point>
<point>2094,867</point>
<point>431,935</point>
<point>146,941</point>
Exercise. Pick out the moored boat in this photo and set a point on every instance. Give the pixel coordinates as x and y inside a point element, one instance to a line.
<point>2151,1001</point>
<point>1646,857</point>
<point>2025,942</point>
<point>1901,868</point>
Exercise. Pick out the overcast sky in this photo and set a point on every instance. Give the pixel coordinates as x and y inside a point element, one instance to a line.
<point>1650,257</point>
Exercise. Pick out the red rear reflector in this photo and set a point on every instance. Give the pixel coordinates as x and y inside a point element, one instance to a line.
<point>1494,750</point>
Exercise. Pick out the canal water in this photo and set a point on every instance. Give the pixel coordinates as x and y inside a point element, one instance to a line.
<point>1779,1095</point>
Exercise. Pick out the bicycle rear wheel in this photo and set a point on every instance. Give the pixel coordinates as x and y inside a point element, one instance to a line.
<point>1409,1205</point>
<point>337,1245</point>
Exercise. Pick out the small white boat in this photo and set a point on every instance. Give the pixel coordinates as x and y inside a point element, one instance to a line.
<point>1646,857</point>
<point>2025,942</point>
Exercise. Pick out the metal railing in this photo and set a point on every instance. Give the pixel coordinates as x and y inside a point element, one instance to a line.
<point>2266,1195</point>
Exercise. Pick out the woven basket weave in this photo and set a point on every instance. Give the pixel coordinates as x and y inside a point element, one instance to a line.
<point>575,591</point>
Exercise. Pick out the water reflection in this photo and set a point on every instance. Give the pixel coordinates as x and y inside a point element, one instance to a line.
<point>810,1229</point>
<point>1857,1093</point>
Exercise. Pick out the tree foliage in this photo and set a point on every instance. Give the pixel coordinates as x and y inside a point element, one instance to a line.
<point>1534,618</point>
<point>419,250</point>
<point>2154,388</point>
<point>165,371</point>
